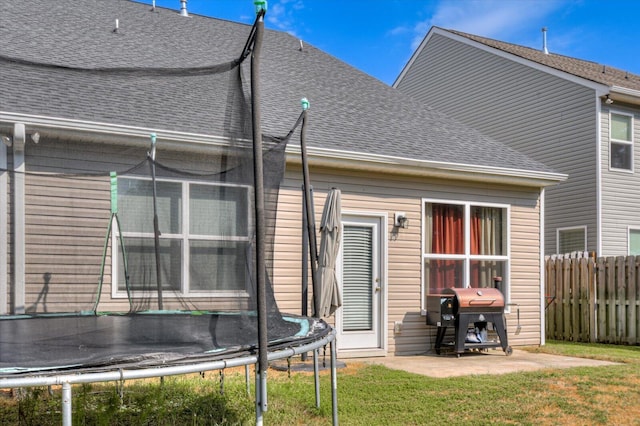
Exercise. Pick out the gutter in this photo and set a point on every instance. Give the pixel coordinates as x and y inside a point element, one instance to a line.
<point>623,94</point>
<point>89,131</point>
<point>357,161</point>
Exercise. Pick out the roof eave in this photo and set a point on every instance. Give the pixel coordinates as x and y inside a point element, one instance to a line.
<point>90,131</point>
<point>399,166</point>
<point>623,94</point>
<point>320,157</point>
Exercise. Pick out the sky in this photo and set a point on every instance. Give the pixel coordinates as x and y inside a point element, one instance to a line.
<point>379,36</point>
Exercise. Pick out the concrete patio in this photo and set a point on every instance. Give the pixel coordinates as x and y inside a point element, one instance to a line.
<point>490,362</point>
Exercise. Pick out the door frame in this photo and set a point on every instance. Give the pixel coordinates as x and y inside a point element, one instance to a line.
<point>381,219</point>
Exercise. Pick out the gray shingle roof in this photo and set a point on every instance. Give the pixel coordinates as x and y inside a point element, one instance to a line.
<point>350,110</point>
<point>592,71</point>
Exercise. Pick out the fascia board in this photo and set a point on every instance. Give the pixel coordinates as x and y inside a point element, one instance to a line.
<point>623,94</point>
<point>625,91</point>
<point>346,160</point>
<point>104,132</point>
<point>356,161</point>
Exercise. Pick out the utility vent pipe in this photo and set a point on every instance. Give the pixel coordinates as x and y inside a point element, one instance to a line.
<point>183,8</point>
<point>544,41</point>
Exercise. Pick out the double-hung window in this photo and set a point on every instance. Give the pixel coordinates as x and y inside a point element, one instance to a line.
<point>204,236</point>
<point>465,245</point>
<point>621,142</point>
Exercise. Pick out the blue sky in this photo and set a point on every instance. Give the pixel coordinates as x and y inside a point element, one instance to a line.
<point>379,36</point>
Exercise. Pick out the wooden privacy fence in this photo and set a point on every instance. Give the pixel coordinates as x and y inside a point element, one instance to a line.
<point>593,300</point>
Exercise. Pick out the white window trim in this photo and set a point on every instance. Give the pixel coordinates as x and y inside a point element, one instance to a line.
<point>185,238</point>
<point>622,142</point>
<point>467,257</point>
<point>570,228</point>
<point>629,229</point>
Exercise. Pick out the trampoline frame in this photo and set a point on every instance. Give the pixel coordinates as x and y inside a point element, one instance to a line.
<point>69,378</point>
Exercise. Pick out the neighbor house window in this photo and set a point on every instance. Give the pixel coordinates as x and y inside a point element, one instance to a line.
<point>465,245</point>
<point>634,242</point>
<point>621,142</point>
<point>204,236</point>
<point>572,240</point>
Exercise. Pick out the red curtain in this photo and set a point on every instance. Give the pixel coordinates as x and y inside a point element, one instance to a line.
<point>485,239</point>
<point>447,237</point>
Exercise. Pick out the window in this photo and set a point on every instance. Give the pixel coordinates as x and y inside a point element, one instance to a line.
<point>204,236</point>
<point>634,242</point>
<point>621,142</point>
<point>465,246</point>
<point>572,239</point>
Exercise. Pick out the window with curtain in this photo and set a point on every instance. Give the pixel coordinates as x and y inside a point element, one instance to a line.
<point>465,246</point>
<point>621,142</point>
<point>204,241</point>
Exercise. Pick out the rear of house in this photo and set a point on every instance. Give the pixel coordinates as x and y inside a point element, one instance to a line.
<point>387,153</point>
<point>385,304</point>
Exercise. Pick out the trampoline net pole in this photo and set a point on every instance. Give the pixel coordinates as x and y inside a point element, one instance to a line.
<point>258,176</point>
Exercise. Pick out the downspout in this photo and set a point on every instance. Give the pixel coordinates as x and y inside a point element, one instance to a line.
<point>19,263</point>
<point>4,234</point>
<point>598,178</point>
<point>543,278</point>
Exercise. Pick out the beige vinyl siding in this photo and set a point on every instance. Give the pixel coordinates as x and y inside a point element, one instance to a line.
<point>620,189</point>
<point>386,194</point>
<point>67,219</point>
<point>550,119</point>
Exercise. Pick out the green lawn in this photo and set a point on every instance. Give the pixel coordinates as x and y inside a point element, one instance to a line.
<point>367,395</point>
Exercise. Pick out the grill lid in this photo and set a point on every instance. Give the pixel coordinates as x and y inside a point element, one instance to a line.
<point>477,299</point>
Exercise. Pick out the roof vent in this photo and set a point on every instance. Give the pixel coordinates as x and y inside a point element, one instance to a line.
<point>544,41</point>
<point>183,8</point>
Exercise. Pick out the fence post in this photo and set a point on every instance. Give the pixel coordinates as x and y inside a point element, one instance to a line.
<point>592,292</point>
<point>632,311</point>
<point>621,329</point>
<point>601,271</point>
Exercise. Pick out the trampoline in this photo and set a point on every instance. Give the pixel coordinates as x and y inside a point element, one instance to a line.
<point>147,260</point>
<point>50,345</point>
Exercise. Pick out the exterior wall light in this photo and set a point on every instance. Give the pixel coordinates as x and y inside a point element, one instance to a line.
<point>401,220</point>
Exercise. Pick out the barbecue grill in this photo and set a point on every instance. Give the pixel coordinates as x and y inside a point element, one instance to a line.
<point>469,311</point>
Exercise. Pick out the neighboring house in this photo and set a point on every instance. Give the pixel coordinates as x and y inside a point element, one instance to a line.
<point>385,151</point>
<point>578,117</point>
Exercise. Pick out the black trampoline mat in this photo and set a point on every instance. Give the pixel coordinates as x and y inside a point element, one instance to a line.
<point>31,344</point>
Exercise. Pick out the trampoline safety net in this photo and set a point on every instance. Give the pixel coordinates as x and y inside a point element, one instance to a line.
<point>143,252</point>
